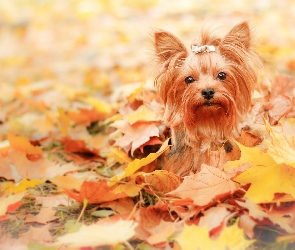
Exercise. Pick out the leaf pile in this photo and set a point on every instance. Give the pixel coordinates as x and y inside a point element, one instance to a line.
<point>81,133</point>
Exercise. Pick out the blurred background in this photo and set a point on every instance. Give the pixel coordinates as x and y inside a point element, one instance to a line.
<point>103,43</point>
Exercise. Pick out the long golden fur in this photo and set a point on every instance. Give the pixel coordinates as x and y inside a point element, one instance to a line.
<point>207,94</point>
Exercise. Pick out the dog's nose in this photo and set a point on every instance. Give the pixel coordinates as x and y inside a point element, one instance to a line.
<point>208,93</point>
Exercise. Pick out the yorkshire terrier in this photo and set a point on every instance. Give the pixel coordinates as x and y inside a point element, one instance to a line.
<point>206,91</point>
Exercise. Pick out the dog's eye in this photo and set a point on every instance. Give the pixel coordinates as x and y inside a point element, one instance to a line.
<point>221,76</point>
<point>189,80</point>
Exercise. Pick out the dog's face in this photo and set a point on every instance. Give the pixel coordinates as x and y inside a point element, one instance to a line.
<point>206,91</point>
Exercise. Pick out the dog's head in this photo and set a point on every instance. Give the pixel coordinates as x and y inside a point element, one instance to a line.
<point>206,90</point>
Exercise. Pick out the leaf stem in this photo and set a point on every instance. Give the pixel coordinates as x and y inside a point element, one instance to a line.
<point>85,203</point>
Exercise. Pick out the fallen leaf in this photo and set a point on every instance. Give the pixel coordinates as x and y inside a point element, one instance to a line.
<point>111,233</point>
<point>10,200</point>
<point>280,146</point>
<point>22,143</point>
<point>95,192</point>
<point>275,179</point>
<point>45,215</point>
<point>143,113</point>
<point>193,237</point>
<point>209,184</point>
<point>213,217</point>
<point>138,163</point>
<point>135,135</point>
<point>20,187</point>
<point>160,181</point>
<point>66,182</point>
<point>256,212</point>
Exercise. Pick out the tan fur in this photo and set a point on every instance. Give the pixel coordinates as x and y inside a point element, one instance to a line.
<point>197,123</point>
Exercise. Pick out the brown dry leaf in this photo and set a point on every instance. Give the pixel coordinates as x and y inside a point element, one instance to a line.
<point>279,107</point>
<point>209,184</point>
<point>160,181</point>
<point>37,234</point>
<point>45,215</point>
<point>16,166</point>
<point>213,217</point>
<point>121,206</point>
<point>135,135</point>
<point>160,234</point>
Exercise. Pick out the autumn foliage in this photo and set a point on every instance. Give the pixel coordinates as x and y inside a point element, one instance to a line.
<point>82,138</point>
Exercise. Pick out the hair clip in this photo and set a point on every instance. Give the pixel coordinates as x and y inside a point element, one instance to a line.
<point>204,48</point>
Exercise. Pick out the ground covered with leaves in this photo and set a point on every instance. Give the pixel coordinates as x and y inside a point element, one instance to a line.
<point>81,132</point>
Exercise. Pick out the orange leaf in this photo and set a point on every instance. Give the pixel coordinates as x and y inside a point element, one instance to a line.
<point>22,143</point>
<point>204,186</point>
<point>160,180</point>
<point>95,192</point>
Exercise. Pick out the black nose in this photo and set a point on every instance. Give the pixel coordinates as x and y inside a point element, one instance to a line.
<point>208,93</point>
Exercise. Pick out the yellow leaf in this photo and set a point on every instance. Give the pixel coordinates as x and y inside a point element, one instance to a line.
<point>275,178</point>
<point>234,239</point>
<point>268,180</point>
<point>23,185</point>
<point>64,122</point>
<point>119,155</point>
<point>281,146</point>
<point>100,105</point>
<point>135,93</point>
<point>251,155</point>
<point>142,114</point>
<point>138,163</point>
<point>193,237</point>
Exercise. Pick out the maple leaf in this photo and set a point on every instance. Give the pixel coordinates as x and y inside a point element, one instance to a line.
<point>193,237</point>
<point>104,233</point>
<point>5,202</point>
<point>213,217</point>
<point>66,182</point>
<point>37,234</point>
<point>159,180</point>
<point>45,215</point>
<point>257,212</point>
<point>121,206</point>
<point>21,186</point>
<point>203,187</point>
<point>135,135</point>
<point>143,113</point>
<point>275,178</point>
<point>138,163</point>
<point>95,192</point>
<point>279,107</point>
<point>21,143</point>
<point>281,145</point>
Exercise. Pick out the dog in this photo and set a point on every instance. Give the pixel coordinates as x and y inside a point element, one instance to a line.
<point>206,91</point>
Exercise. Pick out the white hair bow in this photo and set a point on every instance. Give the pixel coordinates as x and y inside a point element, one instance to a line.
<point>204,48</point>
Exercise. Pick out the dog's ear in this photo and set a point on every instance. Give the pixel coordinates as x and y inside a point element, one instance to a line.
<point>167,46</point>
<point>240,35</point>
<point>237,45</point>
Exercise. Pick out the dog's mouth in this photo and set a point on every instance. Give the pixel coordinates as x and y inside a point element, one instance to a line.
<point>210,103</point>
